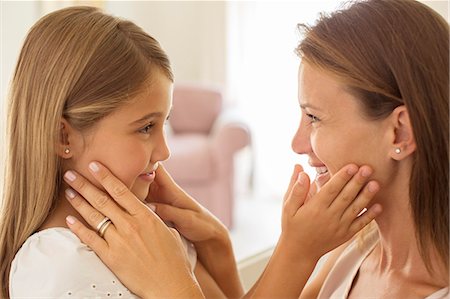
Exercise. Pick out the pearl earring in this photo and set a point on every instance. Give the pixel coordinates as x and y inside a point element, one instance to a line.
<point>67,150</point>
<point>398,150</point>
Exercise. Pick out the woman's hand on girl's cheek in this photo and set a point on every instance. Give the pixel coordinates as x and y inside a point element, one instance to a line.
<point>318,223</point>
<point>137,246</point>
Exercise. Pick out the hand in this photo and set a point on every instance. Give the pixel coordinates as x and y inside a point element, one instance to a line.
<point>319,222</point>
<point>209,235</point>
<point>192,220</point>
<point>314,222</point>
<point>129,244</point>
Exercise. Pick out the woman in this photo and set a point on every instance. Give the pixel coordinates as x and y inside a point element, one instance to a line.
<point>373,89</point>
<point>374,86</point>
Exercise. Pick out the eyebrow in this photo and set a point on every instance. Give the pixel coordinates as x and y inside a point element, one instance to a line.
<point>147,117</point>
<point>307,105</point>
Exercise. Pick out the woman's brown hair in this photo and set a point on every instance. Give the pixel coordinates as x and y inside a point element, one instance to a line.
<point>391,53</point>
<point>77,63</point>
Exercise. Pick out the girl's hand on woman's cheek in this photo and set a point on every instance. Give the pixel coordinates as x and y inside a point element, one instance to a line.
<point>137,246</point>
<point>315,223</point>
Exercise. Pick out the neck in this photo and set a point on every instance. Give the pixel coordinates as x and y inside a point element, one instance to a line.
<point>398,248</point>
<point>57,217</point>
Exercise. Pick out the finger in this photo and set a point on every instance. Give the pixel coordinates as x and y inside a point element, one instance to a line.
<point>172,193</point>
<point>90,193</point>
<point>91,215</point>
<point>87,236</point>
<point>350,191</point>
<point>180,218</point>
<point>361,202</point>
<point>118,190</point>
<point>365,218</point>
<point>329,192</point>
<point>162,177</point>
<point>298,194</point>
<point>312,191</point>
<point>176,234</point>
<point>297,169</point>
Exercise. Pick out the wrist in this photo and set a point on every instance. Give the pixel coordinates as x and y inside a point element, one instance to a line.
<point>299,251</point>
<point>188,288</point>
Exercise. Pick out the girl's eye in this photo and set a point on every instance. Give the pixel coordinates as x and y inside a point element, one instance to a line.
<point>312,118</point>
<point>146,129</point>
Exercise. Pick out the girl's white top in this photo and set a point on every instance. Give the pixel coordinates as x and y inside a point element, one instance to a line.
<point>53,263</point>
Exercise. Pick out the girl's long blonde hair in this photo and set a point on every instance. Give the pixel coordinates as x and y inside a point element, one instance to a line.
<point>77,63</point>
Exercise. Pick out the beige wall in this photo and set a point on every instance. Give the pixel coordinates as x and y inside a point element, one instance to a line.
<point>192,32</point>
<point>441,6</point>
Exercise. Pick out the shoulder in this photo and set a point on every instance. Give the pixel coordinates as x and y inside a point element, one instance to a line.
<point>55,263</point>
<point>339,261</point>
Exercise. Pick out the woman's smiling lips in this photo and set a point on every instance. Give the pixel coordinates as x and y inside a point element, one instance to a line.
<point>322,174</point>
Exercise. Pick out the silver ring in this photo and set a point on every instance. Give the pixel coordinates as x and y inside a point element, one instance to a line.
<point>102,230</point>
<point>99,226</point>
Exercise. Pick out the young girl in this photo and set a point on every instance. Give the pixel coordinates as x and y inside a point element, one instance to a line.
<point>92,87</point>
<point>87,85</point>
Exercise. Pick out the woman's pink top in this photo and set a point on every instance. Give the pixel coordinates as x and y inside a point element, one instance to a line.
<point>339,281</point>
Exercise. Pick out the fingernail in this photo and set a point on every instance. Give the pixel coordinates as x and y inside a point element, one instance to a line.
<point>377,209</point>
<point>352,170</point>
<point>366,172</point>
<point>70,219</point>
<point>70,193</point>
<point>301,178</point>
<point>69,175</point>
<point>152,207</point>
<point>372,187</point>
<point>94,166</point>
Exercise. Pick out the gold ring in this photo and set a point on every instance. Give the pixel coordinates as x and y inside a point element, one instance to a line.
<point>102,230</point>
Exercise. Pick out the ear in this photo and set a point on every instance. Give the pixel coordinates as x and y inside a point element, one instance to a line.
<point>66,138</point>
<point>403,143</point>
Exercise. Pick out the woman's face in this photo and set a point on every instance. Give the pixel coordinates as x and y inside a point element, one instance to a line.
<point>131,140</point>
<point>333,130</point>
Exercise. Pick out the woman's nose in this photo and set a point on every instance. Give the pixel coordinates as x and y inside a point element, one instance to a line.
<point>301,143</point>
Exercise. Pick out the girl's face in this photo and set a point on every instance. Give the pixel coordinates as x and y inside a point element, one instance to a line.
<point>333,129</point>
<point>131,140</point>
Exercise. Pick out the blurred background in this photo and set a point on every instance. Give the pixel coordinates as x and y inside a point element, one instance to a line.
<point>242,50</point>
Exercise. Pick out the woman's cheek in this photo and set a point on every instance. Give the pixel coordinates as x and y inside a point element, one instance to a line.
<point>326,151</point>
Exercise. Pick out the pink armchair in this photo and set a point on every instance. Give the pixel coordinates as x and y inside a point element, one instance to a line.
<point>203,140</point>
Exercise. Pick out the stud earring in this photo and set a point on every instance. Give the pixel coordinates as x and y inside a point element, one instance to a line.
<point>67,150</point>
<point>398,150</point>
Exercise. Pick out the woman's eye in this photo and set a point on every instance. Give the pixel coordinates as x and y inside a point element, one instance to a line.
<point>146,129</point>
<point>313,118</point>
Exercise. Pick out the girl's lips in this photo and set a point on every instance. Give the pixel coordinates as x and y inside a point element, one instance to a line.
<point>148,176</point>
